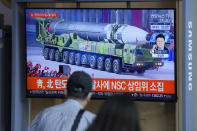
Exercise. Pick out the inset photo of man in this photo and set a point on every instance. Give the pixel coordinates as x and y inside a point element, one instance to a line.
<point>159,50</point>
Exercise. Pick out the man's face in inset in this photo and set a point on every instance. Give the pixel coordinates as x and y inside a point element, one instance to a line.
<point>160,42</point>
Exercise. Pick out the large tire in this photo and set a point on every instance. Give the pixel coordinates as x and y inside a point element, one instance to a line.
<point>65,57</point>
<point>140,71</point>
<point>46,53</point>
<point>117,66</point>
<point>132,70</point>
<point>78,59</point>
<point>72,58</point>
<point>84,59</point>
<point>108,64</point>
<point>100,63</point>
<point>57,56</point>
<point>93,62</point>
<point>52,54</point>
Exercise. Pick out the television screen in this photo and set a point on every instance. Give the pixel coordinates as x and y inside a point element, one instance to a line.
<point>125,51</point>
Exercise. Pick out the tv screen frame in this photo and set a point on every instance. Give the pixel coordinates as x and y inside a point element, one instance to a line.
<point>98,94</point>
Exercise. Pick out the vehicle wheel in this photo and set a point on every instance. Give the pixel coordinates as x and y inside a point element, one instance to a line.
<point>100,63</point>
<point>65,57</point>
<point>140,71</point>
<point>132,70</point>
<point>78,59</point>
<point>57,56</point>
<point>108,64</point>
<point>52,54</point>
<point>72,58</point>
<point>84,59</point>
<point>46,53</point>
<point>93,62</point>
<point>116,66</point>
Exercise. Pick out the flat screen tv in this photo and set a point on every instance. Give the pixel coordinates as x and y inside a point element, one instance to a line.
<point>125,51</point>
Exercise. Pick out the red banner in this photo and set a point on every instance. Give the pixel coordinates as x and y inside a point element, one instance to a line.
<point>36,14</point>
<point>106,85</point>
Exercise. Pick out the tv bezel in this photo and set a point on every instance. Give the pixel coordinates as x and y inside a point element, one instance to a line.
<point>175,98</point>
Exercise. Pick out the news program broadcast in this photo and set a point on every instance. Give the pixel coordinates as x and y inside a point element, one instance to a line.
<point>125,51</point>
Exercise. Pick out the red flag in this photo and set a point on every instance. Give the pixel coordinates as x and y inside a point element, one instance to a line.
<point>46,68</point>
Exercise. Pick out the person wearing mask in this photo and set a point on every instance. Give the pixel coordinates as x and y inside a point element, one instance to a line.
<point>70,115</point>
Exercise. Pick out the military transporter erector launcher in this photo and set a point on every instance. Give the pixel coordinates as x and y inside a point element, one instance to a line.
<point>110,47</point>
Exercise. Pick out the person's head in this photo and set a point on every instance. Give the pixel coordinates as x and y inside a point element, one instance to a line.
<point>118,113</point>
<point>160,41</point>
<point>79,86</point>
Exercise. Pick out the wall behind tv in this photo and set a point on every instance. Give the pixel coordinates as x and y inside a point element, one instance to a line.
<point>7,12</point>
<point>154,116</point>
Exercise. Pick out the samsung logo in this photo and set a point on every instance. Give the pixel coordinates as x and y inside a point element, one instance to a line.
<point>189,49</point>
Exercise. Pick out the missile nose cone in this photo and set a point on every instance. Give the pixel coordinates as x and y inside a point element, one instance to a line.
<point>131,34</point>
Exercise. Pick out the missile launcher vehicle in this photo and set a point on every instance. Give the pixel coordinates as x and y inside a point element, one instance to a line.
<point>108,47</point>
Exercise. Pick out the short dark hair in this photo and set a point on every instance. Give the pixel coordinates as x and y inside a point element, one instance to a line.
<point>118,113</point>
<point>79,85</point>
<point>160,36</point>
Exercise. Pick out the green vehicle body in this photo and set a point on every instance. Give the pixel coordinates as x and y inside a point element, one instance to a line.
<point>112,57</point>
